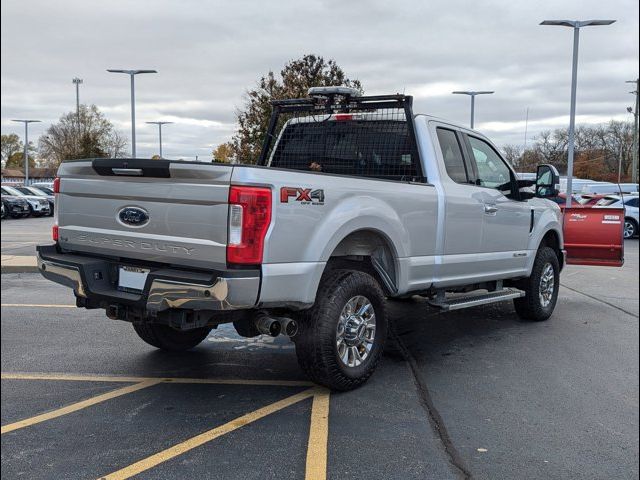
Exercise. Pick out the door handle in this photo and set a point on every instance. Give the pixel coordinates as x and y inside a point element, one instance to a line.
<point>490,209</point>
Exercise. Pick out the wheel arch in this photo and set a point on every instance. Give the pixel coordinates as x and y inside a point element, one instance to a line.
<point>553,240</point>
<point>371,251</point>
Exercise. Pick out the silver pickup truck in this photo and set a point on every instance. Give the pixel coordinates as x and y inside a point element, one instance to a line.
<point>354,199</point>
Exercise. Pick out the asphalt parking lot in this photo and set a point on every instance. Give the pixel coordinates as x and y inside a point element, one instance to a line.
<point>21,235</point>
<point>472,394</point>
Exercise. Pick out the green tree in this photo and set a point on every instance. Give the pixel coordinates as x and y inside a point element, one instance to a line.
<point>88,135</point>
<point>224,153</point>
<point>9,145</point>
<point>294,80</point>
<point>17,159</point>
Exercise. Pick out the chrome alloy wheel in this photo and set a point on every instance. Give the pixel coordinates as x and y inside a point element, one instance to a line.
<point>356,331</point>
<point>629,229</point>
<point>547,285</point>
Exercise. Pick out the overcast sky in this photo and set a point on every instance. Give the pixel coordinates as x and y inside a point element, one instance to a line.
<point>209,53</point>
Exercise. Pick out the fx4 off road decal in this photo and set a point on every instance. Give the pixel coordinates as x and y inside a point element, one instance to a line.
<point>305,196</point>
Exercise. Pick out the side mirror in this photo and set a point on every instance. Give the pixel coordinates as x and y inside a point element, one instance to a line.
<point>547,181</point>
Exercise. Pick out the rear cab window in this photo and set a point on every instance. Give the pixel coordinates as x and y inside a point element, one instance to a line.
<point>356,145</point>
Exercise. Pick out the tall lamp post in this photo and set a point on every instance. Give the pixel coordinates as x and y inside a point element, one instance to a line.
<point>473,94</point>
<point>77,81</point>
<point>26,147</point>
<point>160,124</point>
<point>634,162</point>
<point>132,74</point>
<point>576,25</point>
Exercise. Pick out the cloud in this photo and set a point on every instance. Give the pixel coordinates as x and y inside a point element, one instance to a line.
<point>208,53</point>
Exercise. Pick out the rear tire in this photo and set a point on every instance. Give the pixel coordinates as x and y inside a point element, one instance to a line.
<point>342,336</point>
<point>170,339</point>
<point>541,288</point>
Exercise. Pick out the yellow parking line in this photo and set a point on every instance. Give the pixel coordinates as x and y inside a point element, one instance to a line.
<point>36,305</point>
<point>239,381</point>
<point>74,407</point>
<point>106,378</point>
<point>198,440</point>
<point>318,437</point>
<point>73,377</point>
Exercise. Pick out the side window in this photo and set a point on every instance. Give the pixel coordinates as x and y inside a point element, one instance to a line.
<point>632,203</point>
<point>493,172</point>
<point>452,155</point>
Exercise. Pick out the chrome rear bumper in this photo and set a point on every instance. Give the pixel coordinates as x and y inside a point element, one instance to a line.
<point>95,279</point>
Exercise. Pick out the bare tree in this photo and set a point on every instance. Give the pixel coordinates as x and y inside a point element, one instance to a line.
<point>87,135</point>
<point>600,150</point>
<point>512,154</point>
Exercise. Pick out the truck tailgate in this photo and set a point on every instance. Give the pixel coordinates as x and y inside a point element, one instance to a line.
<point>168,212</point>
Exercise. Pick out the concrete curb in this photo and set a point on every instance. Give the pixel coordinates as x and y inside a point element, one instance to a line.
<point>19,264</point>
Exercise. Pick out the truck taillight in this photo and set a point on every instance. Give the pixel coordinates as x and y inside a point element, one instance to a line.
<point>249,219</point>
<point>56,185</point>
<point>55,234</point>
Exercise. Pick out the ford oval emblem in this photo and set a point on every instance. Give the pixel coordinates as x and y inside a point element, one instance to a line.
<point>133,216</point>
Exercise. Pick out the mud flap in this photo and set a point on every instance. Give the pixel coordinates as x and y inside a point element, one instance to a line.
<point>594,236</point>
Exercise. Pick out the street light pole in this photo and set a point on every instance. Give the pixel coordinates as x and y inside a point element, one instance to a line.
<point>77,81</point>
<point>634,162</point>
<point>576,25</point>
<point>160,124</point>
<point>473,94</point>
<point>132,74</point>
<point>26,147</point>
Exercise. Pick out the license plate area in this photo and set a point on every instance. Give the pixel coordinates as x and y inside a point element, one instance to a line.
<point>132,279</point>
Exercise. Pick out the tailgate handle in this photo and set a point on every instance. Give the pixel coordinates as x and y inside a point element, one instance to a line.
<point>137,172</point>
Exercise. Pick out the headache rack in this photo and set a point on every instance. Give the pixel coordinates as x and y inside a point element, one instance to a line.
<point>335,131</point>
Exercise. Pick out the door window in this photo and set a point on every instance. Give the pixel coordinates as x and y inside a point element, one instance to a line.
<point>452,155</point>
<point>493,172</point>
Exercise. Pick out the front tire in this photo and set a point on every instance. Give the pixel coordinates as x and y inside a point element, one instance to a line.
<point>630,228</point>
<point>541,288</point>
<point>342,336</point>
<point>170,339</point>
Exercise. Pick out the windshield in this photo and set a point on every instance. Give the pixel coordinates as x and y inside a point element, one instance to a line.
<point>13,191</point>
<point>605,202</point>
<point>30,191</point>
<point>33,191</point>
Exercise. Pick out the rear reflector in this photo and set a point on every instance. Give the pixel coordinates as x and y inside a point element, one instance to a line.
<point>249,219</point>
<point>55,234</point>
<point>56,185</point>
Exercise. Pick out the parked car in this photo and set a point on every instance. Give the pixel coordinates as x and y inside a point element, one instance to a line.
<point>38,206</point>
<point>630,205</point>
<point>589,200</point>
<point>38,192</point>
<point>14,206</point>
<point>561,200</point>
<point>609,188</point>
<point>354,199</point>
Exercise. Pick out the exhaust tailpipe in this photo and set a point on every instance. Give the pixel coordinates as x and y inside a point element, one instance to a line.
<point>268,326</point>
<point>289,327</point>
